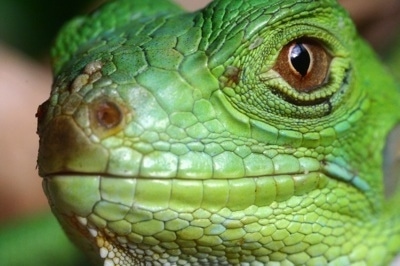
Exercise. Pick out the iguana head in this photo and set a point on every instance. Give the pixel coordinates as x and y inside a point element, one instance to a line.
<point>249,131</point>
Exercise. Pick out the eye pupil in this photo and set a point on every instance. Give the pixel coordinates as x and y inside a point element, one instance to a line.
<point>300,59</point>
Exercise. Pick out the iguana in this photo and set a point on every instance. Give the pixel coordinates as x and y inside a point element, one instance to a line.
<point>248,132</point>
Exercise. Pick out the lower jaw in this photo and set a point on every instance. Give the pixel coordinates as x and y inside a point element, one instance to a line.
<point>112,198</point>
<point>167,220</point>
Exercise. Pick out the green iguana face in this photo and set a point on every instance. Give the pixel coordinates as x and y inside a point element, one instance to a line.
<point>247,132</point>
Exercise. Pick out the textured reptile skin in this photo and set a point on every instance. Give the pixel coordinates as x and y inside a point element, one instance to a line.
<point>249,132</point>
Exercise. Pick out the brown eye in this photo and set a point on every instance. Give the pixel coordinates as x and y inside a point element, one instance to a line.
<point>304,64</point>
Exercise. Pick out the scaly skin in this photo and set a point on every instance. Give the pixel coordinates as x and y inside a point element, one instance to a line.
<point>173,137</point>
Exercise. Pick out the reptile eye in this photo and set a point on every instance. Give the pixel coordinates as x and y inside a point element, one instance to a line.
<point>304,64</point>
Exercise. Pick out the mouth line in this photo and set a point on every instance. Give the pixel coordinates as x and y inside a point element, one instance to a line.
<point>336,171</point>
<point>155,177</point>
<point>330,170</point>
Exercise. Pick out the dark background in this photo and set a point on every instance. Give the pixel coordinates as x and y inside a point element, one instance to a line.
<point>30,25</point>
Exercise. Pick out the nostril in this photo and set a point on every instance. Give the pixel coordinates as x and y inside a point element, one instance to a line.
<point>108,114</point>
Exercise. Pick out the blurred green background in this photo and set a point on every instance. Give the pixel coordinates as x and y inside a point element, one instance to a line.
<point>31,26</point>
